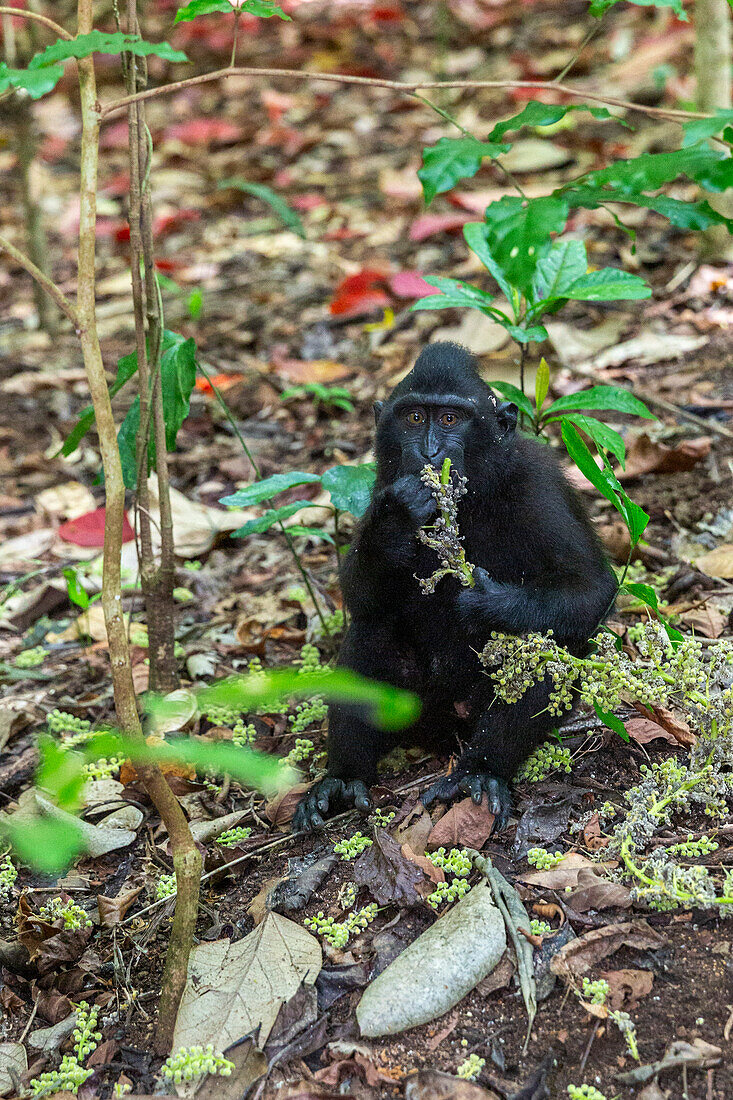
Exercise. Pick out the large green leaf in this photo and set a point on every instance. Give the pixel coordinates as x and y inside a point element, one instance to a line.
<point>648,596</point>
<point>564,263</point>
<point>609,719</point>
<point>453,159</point>
<point>126,368</point>
<point>284,212</point>
<point>614,398</point>
<point>698,129</point>
<point>530,335</point>
<point>535,113</point>
<point>178,375</point>
<point>711,168</point>
<point>518,233</point>
<point>127,445</point>
<point>270,518</point>
<point>683,215</point>
<point>84,45</point>
<point>475,235</point>
<point>513,393</point>
<point>604,480</point>
<point>600,7</point>
<point>262,8</point>
<point>36,84</point>
<point>607,285</point>
<point>350,487</point>
<point>268,488</point>
<point>454,293</point>
<point>600,433</point>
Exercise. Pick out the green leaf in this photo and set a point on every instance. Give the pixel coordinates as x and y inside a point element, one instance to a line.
<point>604,480</point>
<point>311,532</point>
<point>608,285</point>
<point>648,596</point>
<point>558,270</point>
<point>609,719</point>
<point>454,293</point>
<point>600,433</point>
<point>711,168</point>
<point>350,487</point>
<point>518,233</point>
<point>267,488</point>
<point>513,393</point>
<point>698,129</point>
<point>44,843</point>
<point>284,212</point>
<point>126,368</point>
<point>683,215</point>
<point>271,517</point>
<point>263,9</point>
<point>60,774</point>
<point>529,335</point>
<point>542,383</point>
<point>476,237</point>
<point>36,84</point>
<point>602,397</point>
<point>600,7</point>
<point>84,45</point>
<point>202,7</point>
<point>546,114</point>
<point>453,159</point>
<point>178,375</point>
<point>74,590</point>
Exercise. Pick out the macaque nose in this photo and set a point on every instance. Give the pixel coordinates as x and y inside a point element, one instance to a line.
<point>431,447</point>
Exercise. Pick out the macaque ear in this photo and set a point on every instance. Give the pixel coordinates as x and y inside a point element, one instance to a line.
<point>506,414</point>
<point>378,406</point>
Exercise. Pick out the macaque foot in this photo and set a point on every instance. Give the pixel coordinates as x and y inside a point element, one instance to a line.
<point>329,795</point>
<point>475,784</point>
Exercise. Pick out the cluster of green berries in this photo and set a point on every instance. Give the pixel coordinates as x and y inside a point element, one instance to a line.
<point>332,625</point>
<point>542,859</point>
<point>60,721</point>
<point>73,916</point>
<point>301,750</point>
<point>231,837</point>
<point>8,875</point>
<point>338,934</point>
<point>595,992</point>
<point>692,849</point>
<point>471,1067</point>
<point>448,891</point>
<point>254,667</point>
<point>353,846</point>
<point>540,927</point>
<point>243,733</point>
<point>69,1077</point>
<point>548,758</point>
<point>347,895</point>
<point>190,1062</point>
<point>382,819</point>
<point>166,887</point>
<point>456,862</point>
<point>308,713</point>
<point>222,715</point>
<point>31,658</point>
<point>85,1035</point>
<point>104,768</point>
<point>584,1092</point>
<point>310,660</point>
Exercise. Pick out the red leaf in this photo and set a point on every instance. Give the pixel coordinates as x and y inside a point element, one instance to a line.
<point>168,223</point>
<point>88,530</point>
<point>410,284</point>
<point>428,225</point>
<point>204,131</point>
<point>359,294</point>
<point>221,381</point>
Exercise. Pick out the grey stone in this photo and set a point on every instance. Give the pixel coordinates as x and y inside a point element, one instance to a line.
<point>438,969</point>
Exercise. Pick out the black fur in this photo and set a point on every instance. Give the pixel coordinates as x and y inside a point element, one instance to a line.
<point>539,567</point>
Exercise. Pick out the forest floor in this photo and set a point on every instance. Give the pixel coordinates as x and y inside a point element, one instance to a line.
<point>269,311</point>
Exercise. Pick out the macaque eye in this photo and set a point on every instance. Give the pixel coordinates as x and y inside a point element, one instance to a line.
<point>449,420</point>
<point>414,417</point>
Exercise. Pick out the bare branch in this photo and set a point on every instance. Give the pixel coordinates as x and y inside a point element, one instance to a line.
<point>404,87</point>
<point>38,19</point>
<point>43,280</point>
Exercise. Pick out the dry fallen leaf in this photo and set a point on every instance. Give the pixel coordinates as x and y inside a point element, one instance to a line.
<point>643,730</point>
<point>627,987</point>
<point>718,562</point>
<point>706,620</point>
<point>580,955</point>
<point>646,456</point>
<point>466,825</point>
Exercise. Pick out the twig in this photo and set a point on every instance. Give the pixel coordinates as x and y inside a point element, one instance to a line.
<point>48,284</point>
<point>401,86</point>
<point>653,399</point>
<point>38,19</point>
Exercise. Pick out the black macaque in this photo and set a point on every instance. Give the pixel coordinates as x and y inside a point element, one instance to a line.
<point>539,567</point>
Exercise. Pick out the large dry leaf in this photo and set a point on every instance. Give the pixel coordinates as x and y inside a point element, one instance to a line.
<point>237,988</point>
<point>595,892</point>
<point>643,730</point>
<point>717,562</point>
<point>13,1064</point>
<point>97,840</point>
<point>645,456</point>
<point>627,987</point>
<point>706,620</point>
<point>391,877</point>
<point>466,825</point>
<point>565,874</point>
<point>582,954</point>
